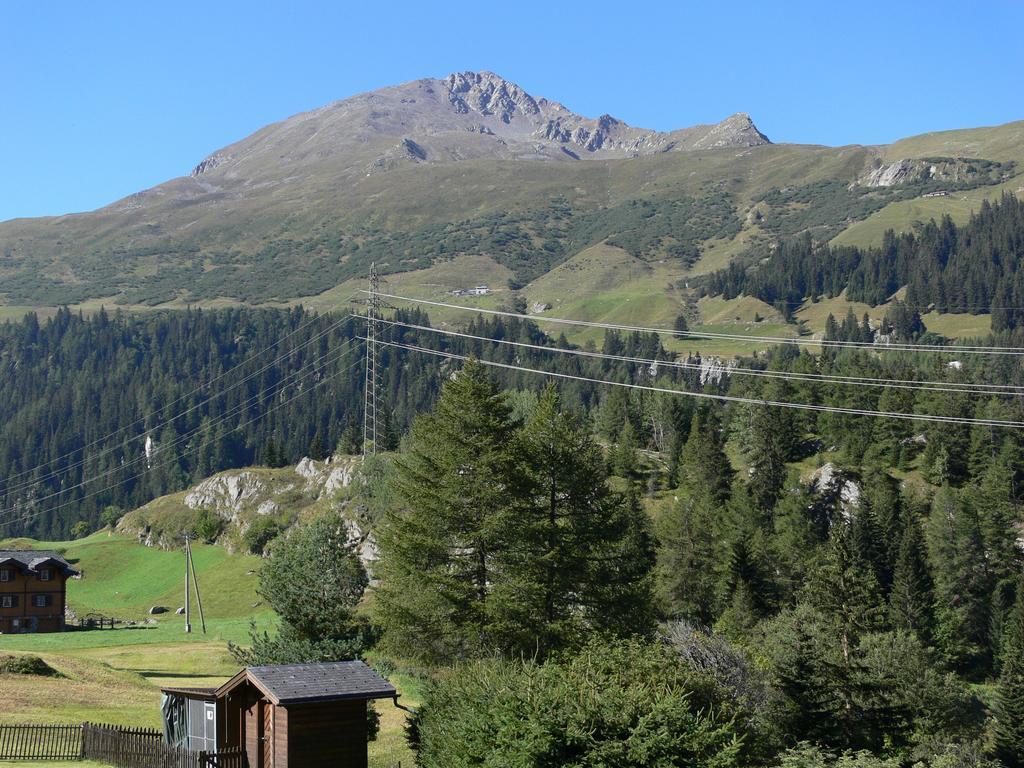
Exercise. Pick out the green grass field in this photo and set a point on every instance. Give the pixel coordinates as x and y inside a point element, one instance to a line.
<point>114,675</point>
<point>124,579</point>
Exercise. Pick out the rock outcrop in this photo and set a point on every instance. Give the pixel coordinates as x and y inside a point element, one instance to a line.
<point>941,170</point>
<point>238,499</point>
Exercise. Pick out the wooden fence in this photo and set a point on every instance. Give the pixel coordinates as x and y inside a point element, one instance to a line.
<point>145,748</point>
<point>119,747</point>
<point>40,742</point>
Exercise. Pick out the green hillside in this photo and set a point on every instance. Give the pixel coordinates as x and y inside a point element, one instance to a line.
<point>124,579</point>
<point>491,220</point>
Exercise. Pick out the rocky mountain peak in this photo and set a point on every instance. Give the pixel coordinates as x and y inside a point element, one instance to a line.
<point>488,94</point>
<point>737,130</point>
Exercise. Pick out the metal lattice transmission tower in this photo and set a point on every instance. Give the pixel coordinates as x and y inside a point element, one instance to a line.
<point>371,384</point>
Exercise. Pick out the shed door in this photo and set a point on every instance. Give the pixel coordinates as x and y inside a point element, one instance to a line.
<point>202,725</point>
<point>267,735</point>
<point>210,710</point>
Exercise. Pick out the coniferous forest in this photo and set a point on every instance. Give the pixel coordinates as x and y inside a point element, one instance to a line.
<point>682,580</point>
<point>972,268</point>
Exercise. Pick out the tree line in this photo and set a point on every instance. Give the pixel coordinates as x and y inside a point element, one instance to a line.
<point>972,268</point>
<point>85,395</point>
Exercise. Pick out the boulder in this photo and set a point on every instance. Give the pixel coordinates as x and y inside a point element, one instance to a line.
<point>157,609</point>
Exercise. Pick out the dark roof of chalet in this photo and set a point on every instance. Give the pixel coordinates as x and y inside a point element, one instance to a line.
<point>33,558</point>
<point>306,683</point>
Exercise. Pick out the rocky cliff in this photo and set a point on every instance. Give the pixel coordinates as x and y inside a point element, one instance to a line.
<point>240,509</point>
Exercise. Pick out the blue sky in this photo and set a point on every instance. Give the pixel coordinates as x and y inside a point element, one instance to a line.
<point>101,99</point>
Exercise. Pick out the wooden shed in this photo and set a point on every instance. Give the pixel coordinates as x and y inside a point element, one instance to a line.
<point>298,715</point>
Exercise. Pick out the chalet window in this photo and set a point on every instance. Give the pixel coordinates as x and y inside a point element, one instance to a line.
<point>42,601</point>
<point>5,574</point>
<point>45,574</point>
<point>8,601</point>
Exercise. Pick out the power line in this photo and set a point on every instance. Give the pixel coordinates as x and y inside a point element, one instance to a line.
<point>707,335</point>
<point>726,398</point>
<point>54,473</point>
<point>927,386</point>
<point>188,435</point>
<point>183,439</point>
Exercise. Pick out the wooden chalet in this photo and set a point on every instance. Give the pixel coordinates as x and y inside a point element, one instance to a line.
<point>298,715</point>
<point>33,590</point>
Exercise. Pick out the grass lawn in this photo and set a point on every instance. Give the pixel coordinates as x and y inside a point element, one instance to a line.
<point>119,683</point>
<point>124,579</point>
<point>114,675</point>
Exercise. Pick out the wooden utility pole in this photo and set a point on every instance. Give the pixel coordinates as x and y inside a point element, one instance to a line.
<point>190,577</point>
<point>188,589</point>
<point>195,580</point>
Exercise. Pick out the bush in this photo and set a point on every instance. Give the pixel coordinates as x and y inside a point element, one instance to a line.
<point>27,665</point>
<point>614,704</point>
<point>260,533</point>
<point>208,526</point>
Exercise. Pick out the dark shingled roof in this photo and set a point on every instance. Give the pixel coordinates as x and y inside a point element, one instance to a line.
<point>328,681</point>
<point>31,558</point>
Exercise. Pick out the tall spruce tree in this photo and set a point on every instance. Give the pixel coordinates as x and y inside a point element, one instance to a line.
<point>772,440</point>
<point>1009,700</point>
<point>882,511</point>
<point>844,588</point>
<point>703,465</point>
<point>567,563</point>
<point>439,547</point>
<point>963,583</point>
<point>912,598</point>
<point>687,552</point>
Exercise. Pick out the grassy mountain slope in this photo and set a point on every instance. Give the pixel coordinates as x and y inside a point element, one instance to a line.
<point>124,578</point>
<point>470,180</point>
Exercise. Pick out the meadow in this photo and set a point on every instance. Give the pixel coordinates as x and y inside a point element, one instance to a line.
<point>114,675</point>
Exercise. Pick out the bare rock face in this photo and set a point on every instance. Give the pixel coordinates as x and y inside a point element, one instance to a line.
<point>324,478</point>
<point>226,494</point>
<point>829,479</point>
<point>735,131</point>
<point>208,164</point>
<point>951,170</point>
<point>488,94</point>
<point>714,369</point>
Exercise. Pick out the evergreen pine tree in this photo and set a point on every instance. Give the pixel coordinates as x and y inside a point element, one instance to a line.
<point>625,460</point>
<point>438,548</point>
<point>912,598</point>
<point>554,576</point>
<point>844,589</point>
<point>881,510</point>
<point>1009,698</point>
<point>963,584</point>
<point>703,465</point>
<point>316,448</point>
<point>687,553</point>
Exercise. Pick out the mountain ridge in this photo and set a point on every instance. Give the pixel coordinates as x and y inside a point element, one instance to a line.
<point>470,165</point>
<point>492,116</point>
